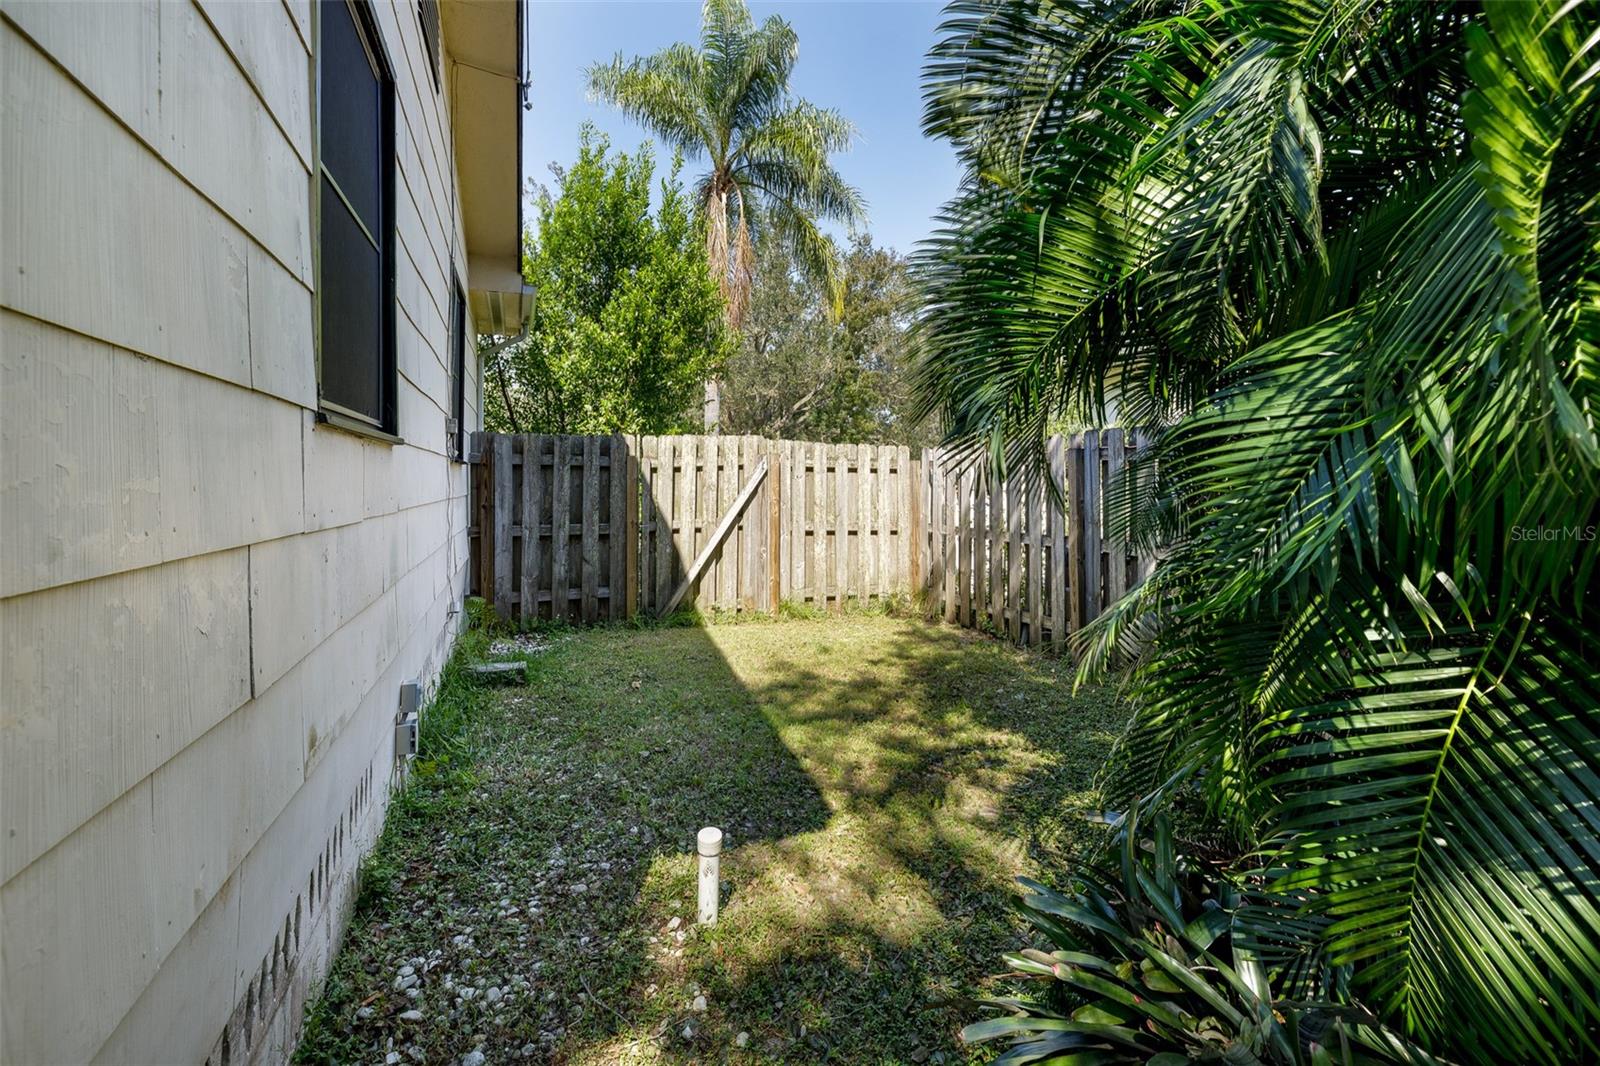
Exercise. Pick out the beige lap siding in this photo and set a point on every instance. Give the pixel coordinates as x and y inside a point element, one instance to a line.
<point>208,601</point>
<point>103,238</point>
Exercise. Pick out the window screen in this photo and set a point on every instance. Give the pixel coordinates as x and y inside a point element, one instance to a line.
<point>354,217</point>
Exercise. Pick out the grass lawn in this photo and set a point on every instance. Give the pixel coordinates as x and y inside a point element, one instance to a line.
<point>880,782</point>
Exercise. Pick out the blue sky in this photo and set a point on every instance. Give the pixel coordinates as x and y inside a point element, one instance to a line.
<point>862,57</point>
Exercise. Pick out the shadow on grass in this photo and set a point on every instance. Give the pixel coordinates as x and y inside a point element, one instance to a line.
<point>880,782</point>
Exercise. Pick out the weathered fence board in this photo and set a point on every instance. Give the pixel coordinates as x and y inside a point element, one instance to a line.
<point>821,529</point>
<point>606,527</point>
<point>1060,579</point>
<point>1027,558</point>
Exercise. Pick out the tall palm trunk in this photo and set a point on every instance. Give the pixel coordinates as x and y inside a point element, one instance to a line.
<point>728,253</point>
<point>716,208</point>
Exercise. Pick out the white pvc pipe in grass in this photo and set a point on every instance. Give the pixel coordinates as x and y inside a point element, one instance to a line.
<point>709,845</point>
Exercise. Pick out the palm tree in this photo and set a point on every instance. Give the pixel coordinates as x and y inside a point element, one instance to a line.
<point>769,153</point>
<point>1342,258</point>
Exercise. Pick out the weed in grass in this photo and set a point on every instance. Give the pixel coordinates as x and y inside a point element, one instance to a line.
<point>800,611</point>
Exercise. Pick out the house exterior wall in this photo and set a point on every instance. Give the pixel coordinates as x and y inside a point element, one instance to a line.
<point>208,600</point>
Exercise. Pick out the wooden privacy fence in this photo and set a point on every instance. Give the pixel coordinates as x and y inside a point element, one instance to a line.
<point>586,528</point>
<point>1013,557</point>
<point>617,522</point>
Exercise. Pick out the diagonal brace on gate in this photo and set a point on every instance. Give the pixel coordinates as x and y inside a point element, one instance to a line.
<point>725,527</point>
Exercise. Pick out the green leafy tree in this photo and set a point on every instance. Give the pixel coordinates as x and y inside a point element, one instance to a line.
<point>802,372</point>
<point>627,324</point>
<point>1342,259</point>
<point>771,172</point>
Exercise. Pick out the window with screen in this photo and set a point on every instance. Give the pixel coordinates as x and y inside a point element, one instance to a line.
<point>355,218</point>
<point>428,15</point>
<point>456,427</point>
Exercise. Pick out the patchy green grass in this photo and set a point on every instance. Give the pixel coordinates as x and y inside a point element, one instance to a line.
<point>880,782</point>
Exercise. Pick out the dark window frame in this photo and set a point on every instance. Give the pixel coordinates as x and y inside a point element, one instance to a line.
<point>457,428</point>
<point>385,425</point>
<point>428,16</point>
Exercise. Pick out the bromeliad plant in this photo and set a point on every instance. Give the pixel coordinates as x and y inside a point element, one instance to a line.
<point>1344,258</point>
<point>1163,962</point>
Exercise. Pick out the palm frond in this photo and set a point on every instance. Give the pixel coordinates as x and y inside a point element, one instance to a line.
<point>1344,257</point>
<point>1441,813</point>
<point>811,250</point>
<point>664,92</point>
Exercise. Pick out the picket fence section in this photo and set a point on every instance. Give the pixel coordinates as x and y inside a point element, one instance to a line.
<point>589,528</point>
<point>1021,560</point>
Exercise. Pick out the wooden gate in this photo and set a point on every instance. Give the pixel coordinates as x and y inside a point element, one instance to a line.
<point>829,523</point>
<point>551,535</point>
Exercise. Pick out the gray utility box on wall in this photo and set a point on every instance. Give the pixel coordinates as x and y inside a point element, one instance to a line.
<point>406,720</point>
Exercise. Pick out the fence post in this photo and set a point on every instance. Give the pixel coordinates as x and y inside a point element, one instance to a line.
<point>821,494</point>
<point>995,539</point>
<point>797,498</point>
<point>1074,513</point>
<point>775,482</point>
<point>914,542</point>
<point>532,520</point>
<point>844,555</point>
<point>1147,560</point>
<point>478,522</point>
<point>1014,501</point>
<point>1035,571</point>
<point>502,525</point>
<point>659,488</point>
<point>1057,506</point>
<point>560,527</point>
<point>973,591</point>
<point>589,551</point>
<point>630,568</point>
<point>961,527</point>
<point>1089,528</point>
<point>1116,549</point>
<point>933,467</point>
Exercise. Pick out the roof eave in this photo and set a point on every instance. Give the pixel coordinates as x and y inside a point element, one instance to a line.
<point>484,46</point>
